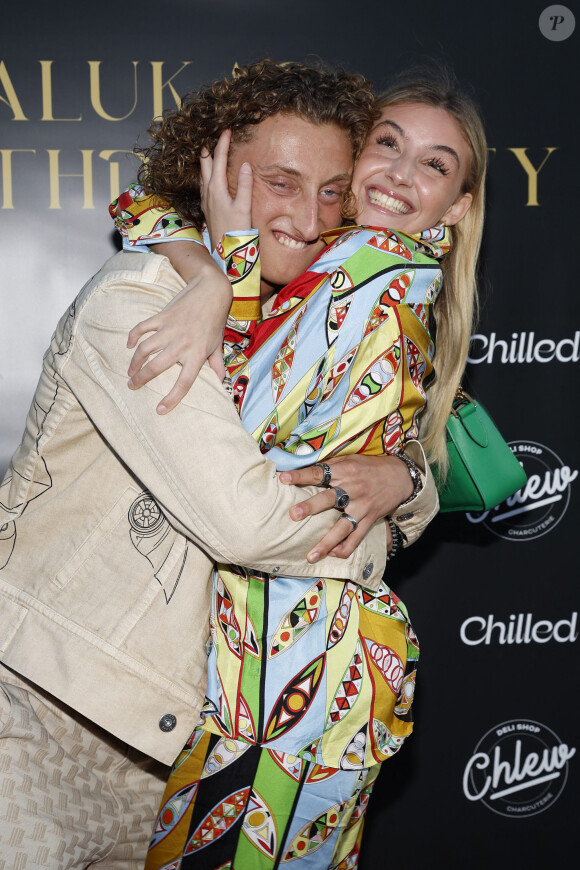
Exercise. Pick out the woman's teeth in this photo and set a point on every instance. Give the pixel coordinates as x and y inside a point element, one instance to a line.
<point>383,200</point>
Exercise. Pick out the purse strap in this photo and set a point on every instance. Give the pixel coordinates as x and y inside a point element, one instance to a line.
<point>472,421</point>
<point>461,398</point>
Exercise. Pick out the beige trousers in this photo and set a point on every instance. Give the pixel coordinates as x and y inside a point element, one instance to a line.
<point>71,795</point>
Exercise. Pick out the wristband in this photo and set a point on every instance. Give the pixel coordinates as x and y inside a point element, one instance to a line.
<point>415,473</point>
<point>397,539</point>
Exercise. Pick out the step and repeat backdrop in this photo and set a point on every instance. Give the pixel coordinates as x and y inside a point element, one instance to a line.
<point>491,777</point>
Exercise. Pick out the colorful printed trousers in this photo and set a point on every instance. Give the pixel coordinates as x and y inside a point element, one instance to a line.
<point>233,805</point>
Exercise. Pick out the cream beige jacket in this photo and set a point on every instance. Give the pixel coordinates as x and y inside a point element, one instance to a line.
<point>111,517</point>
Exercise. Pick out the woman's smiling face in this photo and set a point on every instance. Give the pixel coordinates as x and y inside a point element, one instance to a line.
<point>410,174</point>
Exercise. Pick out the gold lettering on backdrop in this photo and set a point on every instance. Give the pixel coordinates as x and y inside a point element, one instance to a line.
<point>95,85</point>
<point>10,99</point>
<point>531,171</point>
<point>46,72</point>
<point>114,179</point>
<point>6,154</point>
<point>55,175</point>
<point>159,85</point>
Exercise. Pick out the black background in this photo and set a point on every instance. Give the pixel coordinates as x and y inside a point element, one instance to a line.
<point>527,87</point>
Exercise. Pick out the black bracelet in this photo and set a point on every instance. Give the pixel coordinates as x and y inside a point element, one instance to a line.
<point>415,473</point>
<point>398,538</point>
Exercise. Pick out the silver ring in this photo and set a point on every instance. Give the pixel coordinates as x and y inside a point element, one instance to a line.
<point>341,498</point>
<point>351,520</point>
<point>326,473</point>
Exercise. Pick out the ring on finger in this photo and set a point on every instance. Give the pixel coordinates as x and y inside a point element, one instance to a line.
<point>326,473</point>
<point>341,498</point>
<point>351,520</point>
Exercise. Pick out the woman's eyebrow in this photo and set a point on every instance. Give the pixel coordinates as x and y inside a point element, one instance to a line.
<point>399,130</point>
<point>446,148</point>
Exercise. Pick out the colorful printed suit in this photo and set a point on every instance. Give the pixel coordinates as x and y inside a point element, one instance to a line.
<point>310,685</point>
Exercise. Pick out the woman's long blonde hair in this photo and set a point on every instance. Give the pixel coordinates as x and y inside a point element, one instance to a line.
<point>456,306</point>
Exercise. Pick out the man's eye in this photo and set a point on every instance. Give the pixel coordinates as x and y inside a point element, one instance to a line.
<point>330,192</point>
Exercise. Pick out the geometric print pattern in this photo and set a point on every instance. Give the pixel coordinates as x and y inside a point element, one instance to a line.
<point>267,818</point>
<point>327,674</point>
<point>323,677</point>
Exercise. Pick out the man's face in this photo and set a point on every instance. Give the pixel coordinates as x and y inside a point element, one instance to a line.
<point>300,170</point>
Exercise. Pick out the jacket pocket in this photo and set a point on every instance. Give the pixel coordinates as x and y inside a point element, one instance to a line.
<point>95,538</point>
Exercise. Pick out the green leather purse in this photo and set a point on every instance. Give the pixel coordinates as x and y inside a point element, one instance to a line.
<point>483,471</point>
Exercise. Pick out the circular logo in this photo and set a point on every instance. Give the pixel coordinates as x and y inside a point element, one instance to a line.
<point>557,23</point>
<point>518,769</point>
<point>145,515</point>
<point>537,508</point>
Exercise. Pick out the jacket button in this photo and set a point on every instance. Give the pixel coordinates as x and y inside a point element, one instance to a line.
<point>368,570</point>
<point>167,722</point>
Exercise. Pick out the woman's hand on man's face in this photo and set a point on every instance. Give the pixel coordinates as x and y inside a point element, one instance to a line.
<point>222,210</point>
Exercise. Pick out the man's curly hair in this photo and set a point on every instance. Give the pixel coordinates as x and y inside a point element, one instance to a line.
<point>253,93</point>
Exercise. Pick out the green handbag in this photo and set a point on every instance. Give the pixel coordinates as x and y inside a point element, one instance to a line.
<point>483,471</point>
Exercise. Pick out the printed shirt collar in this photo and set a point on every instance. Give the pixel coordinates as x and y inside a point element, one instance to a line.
<point>436,241</point>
